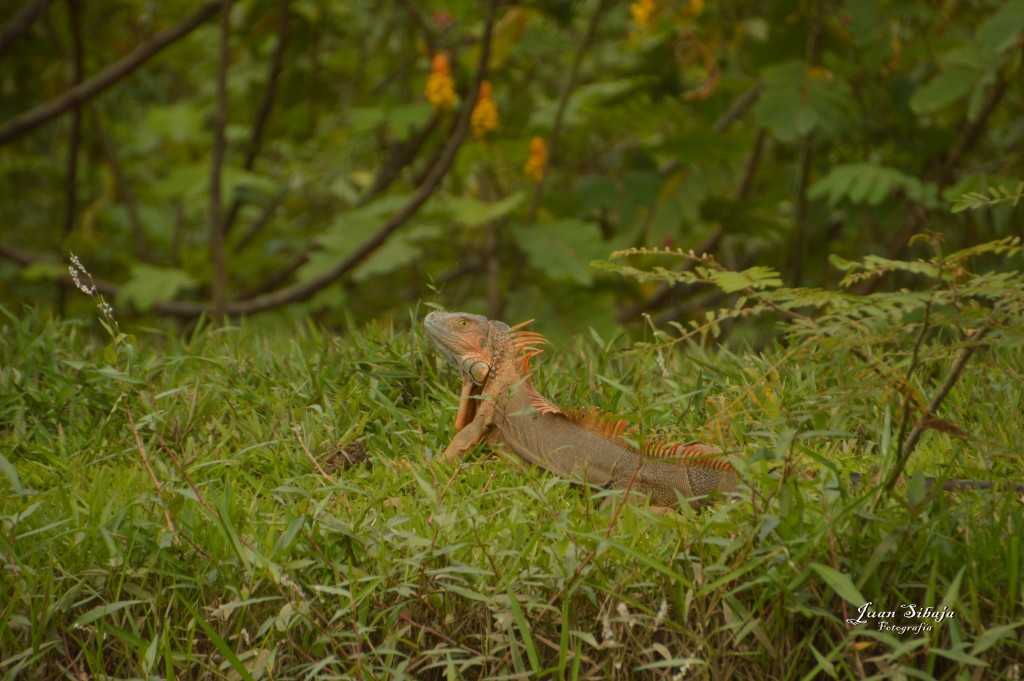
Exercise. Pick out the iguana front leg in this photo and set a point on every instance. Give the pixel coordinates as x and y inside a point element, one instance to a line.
<point>472,434</point>
<point>467,405</point>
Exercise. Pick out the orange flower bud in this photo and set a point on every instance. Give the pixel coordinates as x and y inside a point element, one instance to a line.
<point>440,88</point>
<point>484,118</point>
<point>643,11</point>
<point>537,163</point>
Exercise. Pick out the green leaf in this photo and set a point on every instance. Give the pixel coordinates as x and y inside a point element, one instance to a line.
<point>958,655</point>
<point>841,264</point>
<point>840,583</point>
<point>562,249</point>
<point>148,284</point>
<point>112,373</point>
<point>346,233</point>
<point>43,271</point>
<point>180,123</point>
<point>102,611</point>
<point>756,278</point>
<point>215,638</point>
<point>364,119</point>
<point>11,473</point>
<point>186,180</point>
<point>795,103</point>
<point>349,231</point>
<point>524,629</point>
<point>993,636</point>
<point>1000,30</point>
<point>869,183</point>
<point>403,248</point>
<point>944,89</point>
<point>402,119</point>
<point>190,181</point>
<point>473,212</point>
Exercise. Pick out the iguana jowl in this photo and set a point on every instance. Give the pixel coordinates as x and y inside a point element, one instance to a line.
<point>500,406</point>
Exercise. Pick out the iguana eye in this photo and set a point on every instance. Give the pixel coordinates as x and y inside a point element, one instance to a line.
<point>463,322</point>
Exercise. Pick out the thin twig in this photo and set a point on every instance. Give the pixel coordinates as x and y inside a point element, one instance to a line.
<point>88,89</point>
<point>73,660</point>
<point>312,458</point>
<point>75,137</point>
<point>421,25</point>
<point>400,155</point>
<point>970,346</point>
<point>20,23</point>
<point>269,94</point>
<point>218,261</point>
<point>145,461</point>
<point>188,479</point>
<point>965,141</point>
<point>750,167</point>
<point>915,357</point>
<point>738,108</point>
<point>563,103</point>
<point>323,473</point>
<point>258,225</point>
<point>798,244</point>
<point>121,185</point>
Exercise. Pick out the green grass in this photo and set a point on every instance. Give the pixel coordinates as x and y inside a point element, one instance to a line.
<point>249,562</point>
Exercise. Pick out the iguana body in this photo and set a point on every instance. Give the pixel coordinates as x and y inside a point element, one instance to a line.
<point>500,406</point>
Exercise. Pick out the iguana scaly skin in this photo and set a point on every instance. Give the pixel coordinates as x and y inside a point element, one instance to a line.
<point>500,406</point>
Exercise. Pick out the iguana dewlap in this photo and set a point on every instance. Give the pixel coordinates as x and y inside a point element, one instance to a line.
<point>500,406</point>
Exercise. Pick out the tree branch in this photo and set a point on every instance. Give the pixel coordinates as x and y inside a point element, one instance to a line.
<point>20,22</point>
<point>121,185</point>
<point>797,246</point>
<point>944,177</point>
<point>75,136</point>
<point>424,29</point>
<point>400,155</point>
<point>738,108</point>
<point>305,290</point>
<point>273,75</point>
<point>218,261</point>
<point>88,89</point>
<point>563,103</point>
<point>260,223</point>
<point>907,448</point>
<point>709,245</point>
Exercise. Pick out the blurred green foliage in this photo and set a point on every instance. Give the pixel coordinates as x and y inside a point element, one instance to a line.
<point>770,134</point>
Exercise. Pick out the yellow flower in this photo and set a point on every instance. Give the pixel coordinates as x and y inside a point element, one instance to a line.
<point>538,161</point>
<point>484,118</point>
<point>440,89</point>
<point>642,11</point>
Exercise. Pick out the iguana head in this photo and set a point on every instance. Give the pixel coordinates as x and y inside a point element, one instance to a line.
<point>472,344</point>
<point>482,349</point>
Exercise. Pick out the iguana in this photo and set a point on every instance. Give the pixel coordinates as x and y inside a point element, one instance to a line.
<point>500,406</point>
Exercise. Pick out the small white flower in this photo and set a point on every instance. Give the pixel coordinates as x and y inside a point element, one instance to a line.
<point>662,613</point>
<point>76,266</point>
<point>606,630</point>
<point>624,613</point>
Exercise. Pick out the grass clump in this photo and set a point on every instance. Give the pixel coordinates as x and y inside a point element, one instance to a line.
<point>248,503</point>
